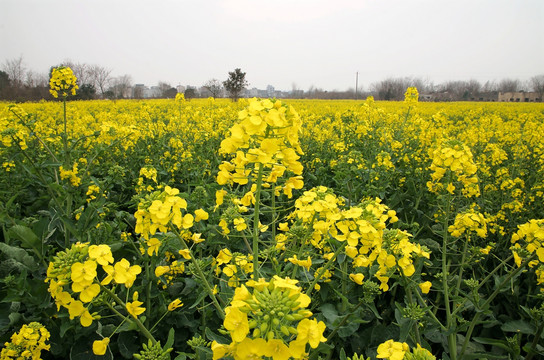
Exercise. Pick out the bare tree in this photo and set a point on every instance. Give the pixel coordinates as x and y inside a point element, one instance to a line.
<point>166,90</point>
<point>16,70</point>
<point>34,79</point>
<point>99,76</point>
<point>121,86</point>
<point>537,83</point>
<point>81,71</point>
<point>389,89</point>
<point>489,86</point>
<point>163,88</point>
<point>509,85</point>
<point>214,86</point>
<point>138,91</point>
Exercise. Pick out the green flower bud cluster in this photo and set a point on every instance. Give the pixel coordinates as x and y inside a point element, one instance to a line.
<point>197,341</point>
<point>271,319</point>
<point>413,312</point>
<point>357,357</point>
<point>61,267</point>
<point>153,352</point>
<point>274,310</point>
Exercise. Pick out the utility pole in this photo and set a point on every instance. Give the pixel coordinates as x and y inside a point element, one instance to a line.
<point>356,83</point>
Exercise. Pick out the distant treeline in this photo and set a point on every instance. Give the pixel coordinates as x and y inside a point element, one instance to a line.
<point>19,84</point>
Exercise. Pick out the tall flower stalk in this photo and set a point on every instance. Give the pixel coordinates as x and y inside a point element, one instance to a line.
<point>265,149</point>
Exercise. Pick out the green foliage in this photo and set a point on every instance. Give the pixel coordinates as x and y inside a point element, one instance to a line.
<point>235,83</point>
<point>360,152</point>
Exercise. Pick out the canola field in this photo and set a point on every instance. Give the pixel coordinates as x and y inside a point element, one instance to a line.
<point>271,229</point>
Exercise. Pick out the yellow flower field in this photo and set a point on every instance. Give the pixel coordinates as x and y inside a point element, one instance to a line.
<point>272,229</point>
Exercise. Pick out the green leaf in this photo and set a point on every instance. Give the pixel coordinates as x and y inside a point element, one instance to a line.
<point>65,326</point>
<point>348,329</point>
<point>330,314</point>
<point>26,236</point>
<point>183,356</point>
<point>170,340</point>
<point>342,354</point>
<point>20,255</point>
<point>484,355</point>
<point>518,326</point>
<point>210,335</point>
<point>498,343</point>
<point>128,344</point>
<point>128,326</point>
<point>5,309</point>
<point>201,297</point>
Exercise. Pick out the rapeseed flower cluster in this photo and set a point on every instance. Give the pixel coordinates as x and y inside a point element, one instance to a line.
<point>63,82</point>
<point>235,266</point>
<point>361,228</point>
<point>27,344</point>
<point>269,319</point>
<point>73,272</point>
<point>14,131</point>
<point>92,192</point>
<point>158,211</point>
<point>411,96</point>
<point>147,181</point>
<point>264,141</point>
<point>394,350</point>
<point>453,165</point>
<point>175,267</point>
<point>71,175</point>
<point>528,241</point>
<point>469,221</point>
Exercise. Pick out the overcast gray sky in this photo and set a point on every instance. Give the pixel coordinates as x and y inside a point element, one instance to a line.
<point>280,42</point>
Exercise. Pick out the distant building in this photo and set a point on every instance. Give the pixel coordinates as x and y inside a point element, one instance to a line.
<point>270,91</point>
<point>152,92</point>
<point>520,96</point>
<point>488,96</point>
<point>425,97</point>
<point>138,91</point>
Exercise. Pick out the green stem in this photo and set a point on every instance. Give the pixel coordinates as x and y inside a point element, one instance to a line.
<point>65,135</point>
<point>490,298</point>
<point>461,306</point>
<point>344,284</point>
<point>256,223</point>
<point>273,214</point>
<point>53,196</point>
<point>158,321</point>
<point>147,291</point>
<point>410,299</point>
<point>461,268</point>
<point>68,212</point>
<point>535,342</point>
<point>326,267</point>
<point>430,313</point>
<point>450,320</point>
<point>138,323</point>
<point>207,286</point>
<point>344,320</point>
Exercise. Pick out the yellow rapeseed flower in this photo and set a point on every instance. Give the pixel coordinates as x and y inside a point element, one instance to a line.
<point>100,346</point>
<point>134,308</point>
<point>174,305</point>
